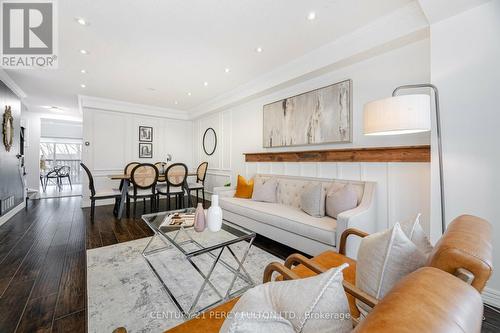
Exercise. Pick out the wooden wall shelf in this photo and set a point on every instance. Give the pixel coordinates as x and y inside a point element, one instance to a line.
<point>378,154</point>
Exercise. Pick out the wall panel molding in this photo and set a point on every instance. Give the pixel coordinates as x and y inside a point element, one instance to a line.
<point>376,154</point>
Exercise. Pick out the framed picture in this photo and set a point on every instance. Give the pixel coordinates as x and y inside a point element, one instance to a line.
<point>316,117</point>
<point>145,134</point>
<point>145,150</point>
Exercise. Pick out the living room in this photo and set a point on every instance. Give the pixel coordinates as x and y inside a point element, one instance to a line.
<point>222,152</point>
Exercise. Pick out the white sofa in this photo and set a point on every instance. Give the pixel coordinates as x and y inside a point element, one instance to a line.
<point>286,223</point>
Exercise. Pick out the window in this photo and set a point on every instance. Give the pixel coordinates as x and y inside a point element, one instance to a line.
<point>59,152</point>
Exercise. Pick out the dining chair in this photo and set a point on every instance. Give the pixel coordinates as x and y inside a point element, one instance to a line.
<point>175,181</point>
<point>112,194</point>
<point>201,174</point>
<point>161,166</point>
<point>52,176</point>
<point>64,172</point>
<point>144,178</point>
<point>128,171</point>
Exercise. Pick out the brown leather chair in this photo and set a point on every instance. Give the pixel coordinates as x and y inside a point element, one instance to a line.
<point>464,251</point>
<point>427,300</point>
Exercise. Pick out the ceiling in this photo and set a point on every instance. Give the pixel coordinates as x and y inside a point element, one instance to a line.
<point>156,52</point>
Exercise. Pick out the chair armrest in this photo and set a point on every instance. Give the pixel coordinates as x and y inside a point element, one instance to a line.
<point>346,234</point>
<point>278,268</point>
<point>359,294</point>
<point>295,259</point>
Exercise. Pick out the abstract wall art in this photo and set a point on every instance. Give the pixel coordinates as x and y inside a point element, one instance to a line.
<point>316,117</point>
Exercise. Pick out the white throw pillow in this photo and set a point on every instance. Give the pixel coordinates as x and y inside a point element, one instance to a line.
<point>315,304</point>
<point>413,230</point>
<point>265,190</point>
<point>312,200</point>
<point>341,200</point>
<point>383,259</point>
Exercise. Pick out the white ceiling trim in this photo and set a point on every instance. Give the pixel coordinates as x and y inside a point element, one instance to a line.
<point>141,109</point>
<point>438,10</point>
<point>11,84</point>
<point>397,26</point>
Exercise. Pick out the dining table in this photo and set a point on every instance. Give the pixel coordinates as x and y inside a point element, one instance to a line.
<point>125,186</point>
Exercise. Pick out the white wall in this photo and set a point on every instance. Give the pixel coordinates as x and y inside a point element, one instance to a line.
<point>52,128</point>
<point>114,142</point>
<point>465,53</point>
<point>32,122</point>
<point>403,188</point>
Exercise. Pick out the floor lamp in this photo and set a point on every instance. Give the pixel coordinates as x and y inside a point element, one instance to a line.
<point>405,114</point>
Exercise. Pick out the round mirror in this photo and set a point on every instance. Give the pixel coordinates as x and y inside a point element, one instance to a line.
<point>8,128</point>
<point>209,141</point>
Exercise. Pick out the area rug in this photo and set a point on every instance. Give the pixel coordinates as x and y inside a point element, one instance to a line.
<point>123,291</point>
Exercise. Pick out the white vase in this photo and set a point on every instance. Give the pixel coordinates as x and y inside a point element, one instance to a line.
<point>214,215</point>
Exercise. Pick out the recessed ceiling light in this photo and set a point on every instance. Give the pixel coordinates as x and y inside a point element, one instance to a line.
<point>259,50</point>
<point>227,70</point>
<point>205,83</point>
<point>82,51</point>
<point>83,85</point>
<point>81,21</point>
<point>311,16</point>
<point>83,71</point>
<point>189,94</point>
<point>176,102</point>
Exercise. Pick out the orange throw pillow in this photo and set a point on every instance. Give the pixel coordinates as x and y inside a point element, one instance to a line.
<point>244,189</point>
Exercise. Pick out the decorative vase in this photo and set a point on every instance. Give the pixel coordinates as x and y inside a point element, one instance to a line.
<point>199,218</point>
<point>214,215</point>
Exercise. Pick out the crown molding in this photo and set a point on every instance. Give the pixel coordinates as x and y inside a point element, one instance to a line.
<point>11,84</point>
<point>436,11</point>
<point>90,102</point>
<point>401,27</point>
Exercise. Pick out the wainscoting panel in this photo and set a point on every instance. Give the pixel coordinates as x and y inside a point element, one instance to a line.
<point>402,189</point>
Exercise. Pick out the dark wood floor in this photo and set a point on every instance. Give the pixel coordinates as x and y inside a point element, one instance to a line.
<point>43,264</point>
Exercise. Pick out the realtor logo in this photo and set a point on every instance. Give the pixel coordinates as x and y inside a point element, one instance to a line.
<point>28,34</point>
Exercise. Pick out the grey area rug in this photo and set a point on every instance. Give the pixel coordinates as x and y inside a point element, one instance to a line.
<point>123,291</point>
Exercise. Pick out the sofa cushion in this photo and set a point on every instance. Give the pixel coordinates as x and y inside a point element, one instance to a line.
<point>275,303</point>
<point>312,200</point>
<point>244,188</point>
<point>288,218</point>
<point>265,190</point>
<point>289,188</point>
<point>340,201</point>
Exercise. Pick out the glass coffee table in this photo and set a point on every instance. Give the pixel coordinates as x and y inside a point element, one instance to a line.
<point>209,256</point>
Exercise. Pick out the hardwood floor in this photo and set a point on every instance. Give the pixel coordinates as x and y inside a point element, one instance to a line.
<point>43,264</point>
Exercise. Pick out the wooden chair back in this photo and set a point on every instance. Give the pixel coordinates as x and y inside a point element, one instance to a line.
<point>201,172</point>
<point>91,179</point>
<point>176,174</point>
<point>129,167</point>
<point>144,176</point>
<point>161,166</point>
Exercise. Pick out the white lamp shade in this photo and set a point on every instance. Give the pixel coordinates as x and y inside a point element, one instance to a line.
<point>398,115</point>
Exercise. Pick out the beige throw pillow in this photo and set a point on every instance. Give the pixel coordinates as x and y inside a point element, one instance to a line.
<point>413,230</point>
<point>312,200</point>
<point>383,259</point>
<point>341,200</point>
<point>311,305</point>
<point>265,190</point>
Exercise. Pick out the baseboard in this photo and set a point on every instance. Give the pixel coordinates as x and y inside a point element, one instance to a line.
<point>491,297</point>
<point>12,212</point>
